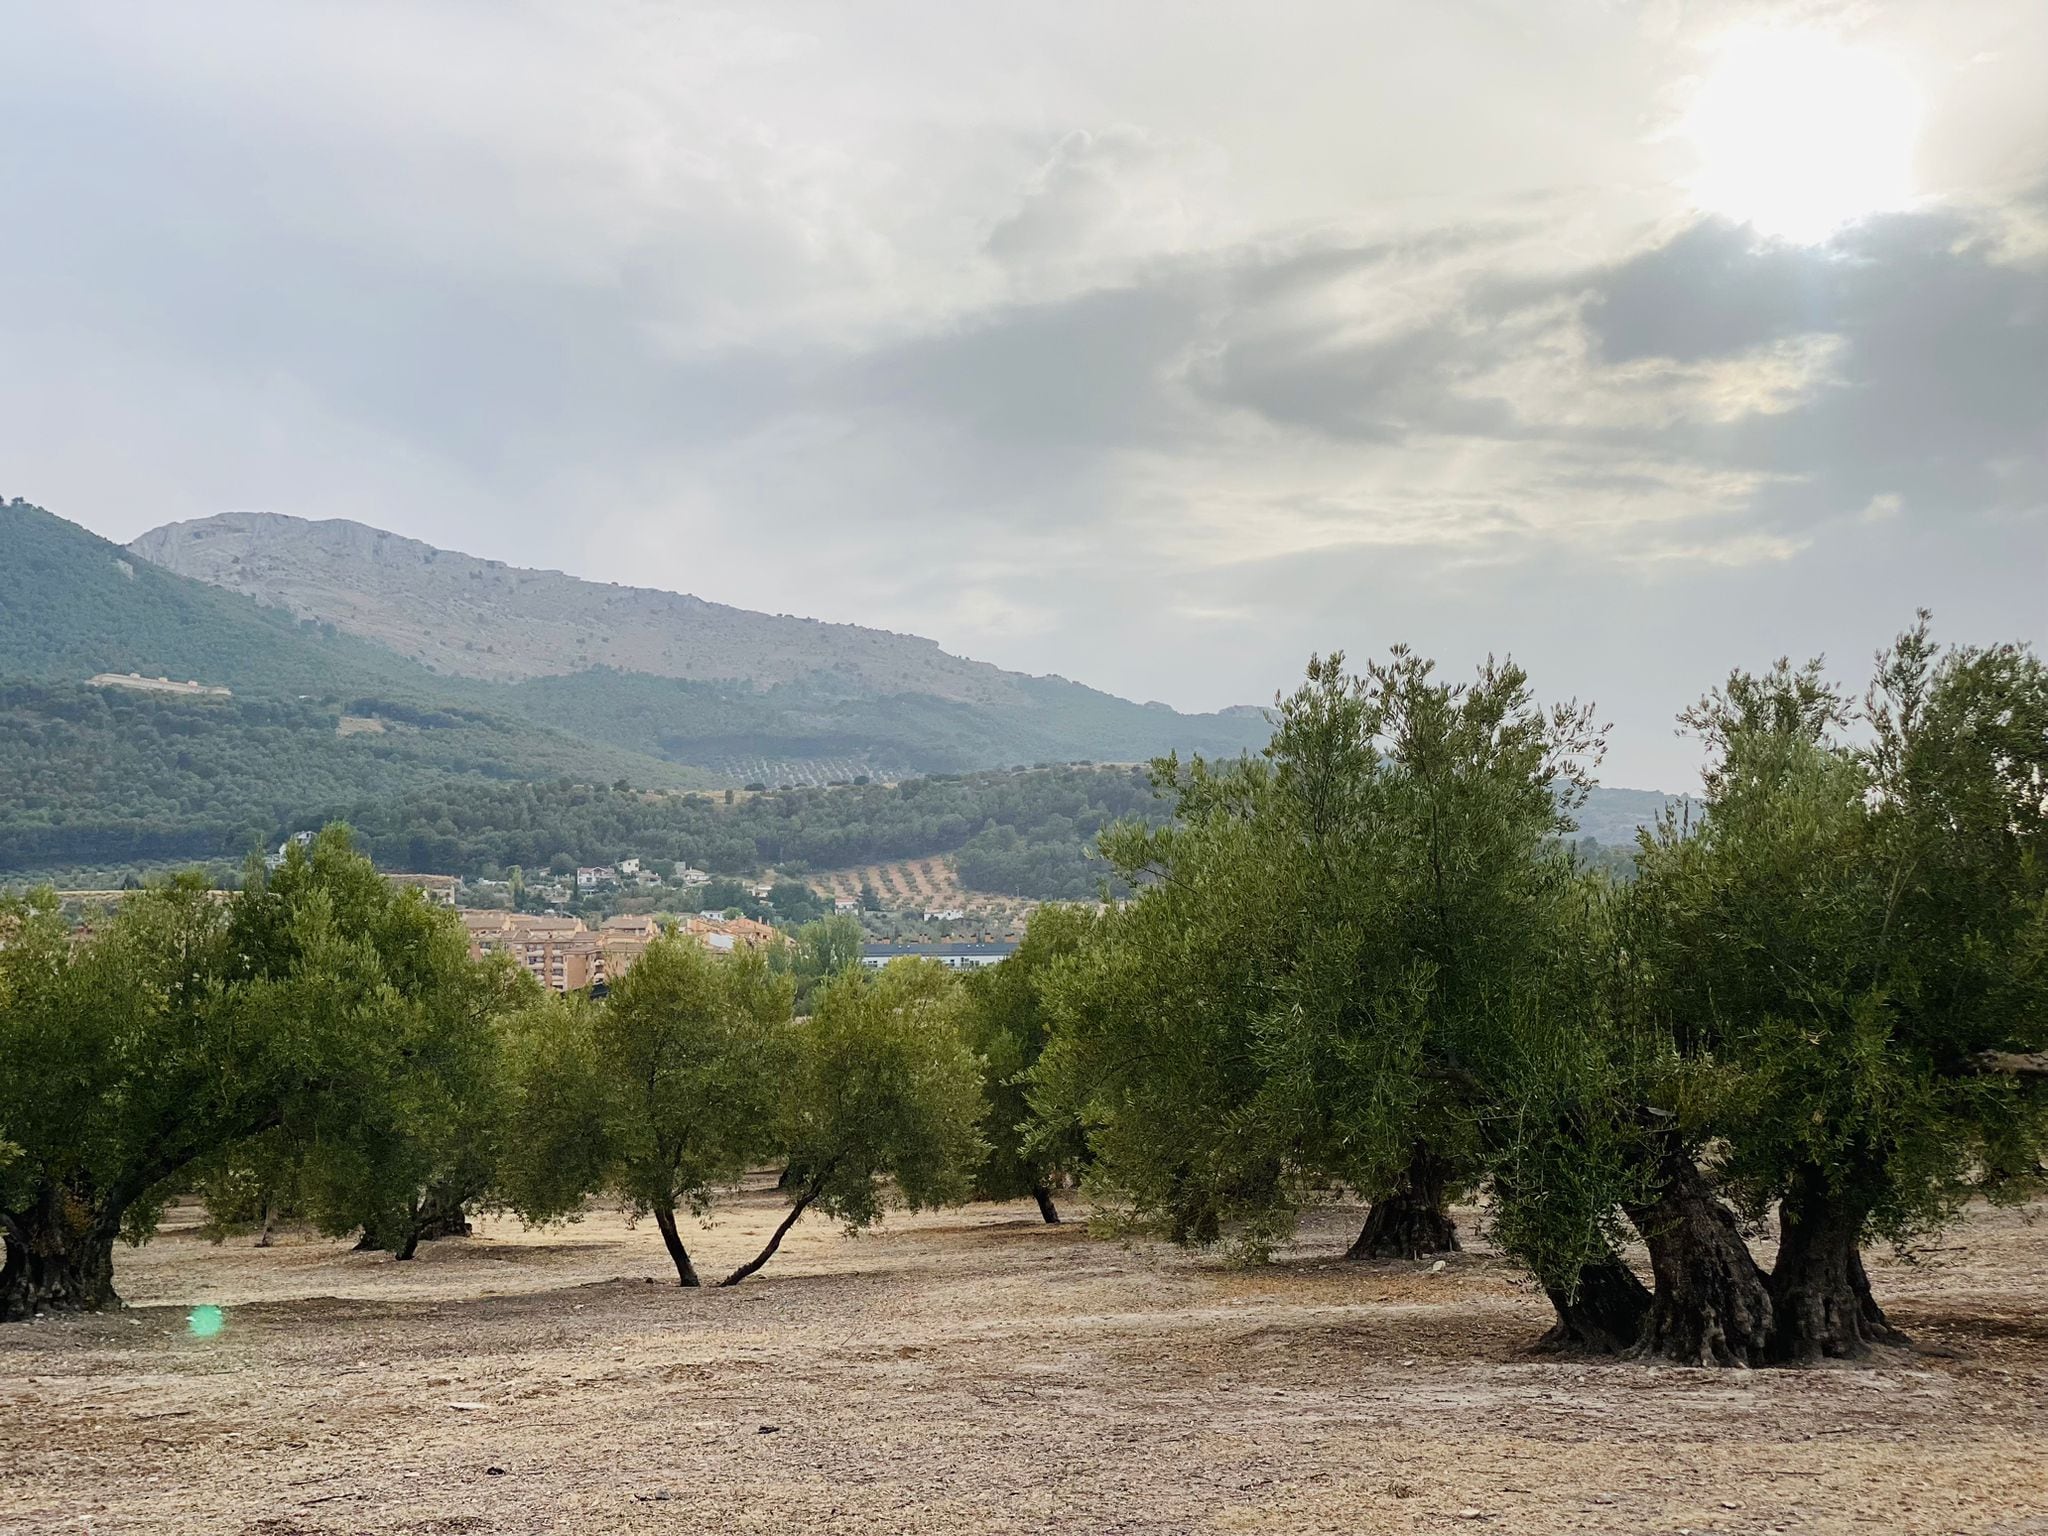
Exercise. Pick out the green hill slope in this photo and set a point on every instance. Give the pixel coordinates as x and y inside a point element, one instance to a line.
<point>72,604</point>
<point>108,780</point>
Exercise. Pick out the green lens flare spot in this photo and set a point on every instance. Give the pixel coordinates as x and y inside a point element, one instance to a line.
<point>206,1321</point>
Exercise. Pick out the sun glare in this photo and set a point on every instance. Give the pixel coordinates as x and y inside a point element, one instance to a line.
<point>1799,134</point>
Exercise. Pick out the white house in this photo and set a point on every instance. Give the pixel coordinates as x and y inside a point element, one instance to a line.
<point>589,877</point>
<point>629,866</point>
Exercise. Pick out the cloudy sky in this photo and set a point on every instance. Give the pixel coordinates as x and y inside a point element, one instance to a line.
<point>1156,345</point>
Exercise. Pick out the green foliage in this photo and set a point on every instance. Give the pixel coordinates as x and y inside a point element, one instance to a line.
<point>824,715</point>
<point>317,1002</point>
<point>661,1096</point>
<point>1007,1027</point>
<point>109,778</point>
<point>883,1086</point>
<point>127,1060</point>
<point>1155,1041</point>
<point>1314,977</point>
<point>1855,922</point>
<point>816,953</point>
<point>413,1108</point>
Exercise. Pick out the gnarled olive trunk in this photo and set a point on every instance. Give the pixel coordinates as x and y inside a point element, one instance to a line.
<point>1602,1313</point>
<point>1411,1219</point>
<point>686,1272</point>
<point>1712,1305</point>
<point>434,1216</point>
<point>1824,1307</point>
<point>1046,1208</point>
<point>59,1257</point>
<point>441,1220</point>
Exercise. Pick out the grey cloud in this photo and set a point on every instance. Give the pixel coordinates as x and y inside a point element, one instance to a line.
<point>1938,389</point>
<point>1710,292</point>
<point>890,336</point>
<point>1095,370</point>
<point>1112,187</point>
<point>1380,392</point>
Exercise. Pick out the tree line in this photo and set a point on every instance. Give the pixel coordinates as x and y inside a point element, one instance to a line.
<point>1369,959</point>
<point>110,780</point>
<point>320,1046</point>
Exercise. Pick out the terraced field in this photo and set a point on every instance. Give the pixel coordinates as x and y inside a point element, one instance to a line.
<point>908,883</point>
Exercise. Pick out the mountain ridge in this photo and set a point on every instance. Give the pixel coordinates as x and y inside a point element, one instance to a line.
<point>316,569</point>
<point>743,694</point>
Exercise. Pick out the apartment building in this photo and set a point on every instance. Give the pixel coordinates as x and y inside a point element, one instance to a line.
<point>563,954</point>
<point>559,952</point>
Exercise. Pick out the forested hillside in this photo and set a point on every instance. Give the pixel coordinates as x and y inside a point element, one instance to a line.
<point>106,781</point>
<point>1026,833</point>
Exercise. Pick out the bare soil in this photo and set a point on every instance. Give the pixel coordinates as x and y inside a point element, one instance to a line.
<point>977,1371</point>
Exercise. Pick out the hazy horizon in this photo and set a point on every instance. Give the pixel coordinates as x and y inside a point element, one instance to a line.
<point>1152,348</point>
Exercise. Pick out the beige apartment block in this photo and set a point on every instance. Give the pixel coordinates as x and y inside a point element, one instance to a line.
<point>564,955</point>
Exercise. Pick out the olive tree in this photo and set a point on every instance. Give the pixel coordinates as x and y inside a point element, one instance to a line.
<point>1006,1025</point>
<point>404,1134</point>
<point>190,1023</point>
<point>424,1142</point>
<point>1155,1047</point>
<point>128,1060</point>
<point>1311,983</point>
<point>1853,941</point>
<point>879,1093</point>
<point>661,1096</point>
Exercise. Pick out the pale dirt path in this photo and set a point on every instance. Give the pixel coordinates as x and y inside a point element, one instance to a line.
<point>976,1372</point>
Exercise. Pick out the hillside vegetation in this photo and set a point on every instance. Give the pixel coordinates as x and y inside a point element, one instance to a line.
<point>461,774</point>
<point>108,781</point>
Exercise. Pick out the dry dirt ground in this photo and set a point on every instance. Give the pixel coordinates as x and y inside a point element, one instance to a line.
<point>976,1371</point>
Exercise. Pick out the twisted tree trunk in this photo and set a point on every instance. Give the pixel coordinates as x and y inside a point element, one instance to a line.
<point>445,1220</point>
<point>59,1257</point>
<point>1824,1307</point>
<point>1046,1208</point>
<point>1411,1220</point>
<point>814,1187</point>
<point>1712,1304</point>
<point>1601,1313</point>
<point>433,1216</point>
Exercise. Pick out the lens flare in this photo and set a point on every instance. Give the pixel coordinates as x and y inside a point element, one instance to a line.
<point>206,1321</point>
